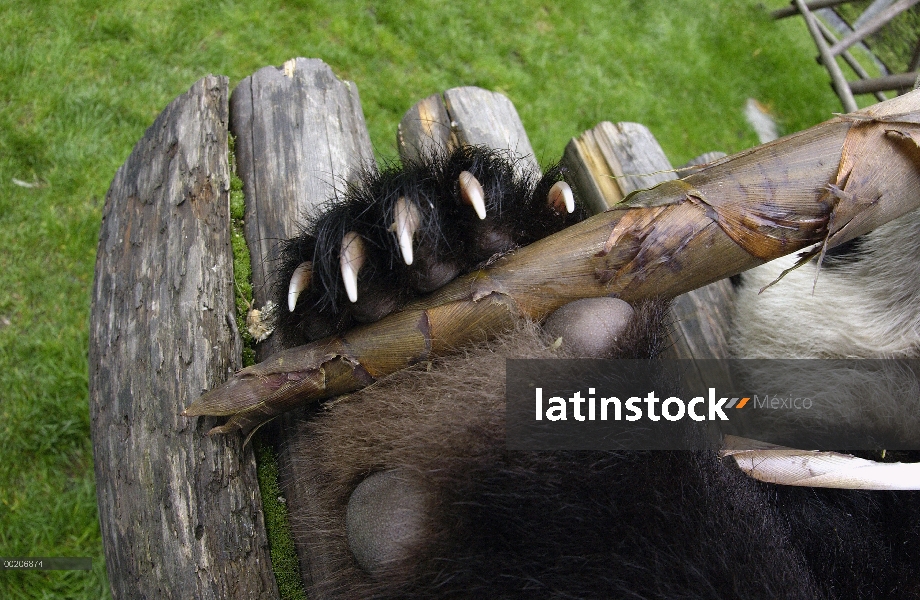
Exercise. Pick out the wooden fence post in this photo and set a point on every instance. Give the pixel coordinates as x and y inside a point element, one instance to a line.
<point>180,512</point>
<point>300,135</point>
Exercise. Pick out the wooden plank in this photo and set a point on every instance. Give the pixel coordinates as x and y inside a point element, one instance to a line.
<point>830,63</point>
<point>624,157</point>
<point>180,512</point>
<point>871,26</point>
<point>889,82</point>
<point>793,10</point>
<point>848,58</point>
<point>611,160</point>
<point>300,136</point>
<point>465,116</point>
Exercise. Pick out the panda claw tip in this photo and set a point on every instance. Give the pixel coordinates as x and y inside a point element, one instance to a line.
<point>351,259</point>
<point>300,281</point>
<point>405,247</point>
<point>472,194</point>
<point>561,197</point>
<point>405,223</point>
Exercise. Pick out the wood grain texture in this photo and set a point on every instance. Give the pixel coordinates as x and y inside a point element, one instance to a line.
<point>425,129</point>
<point>300,137</point>
<point>465,116</point>
<point>180,512</point>
<point>609,162</point>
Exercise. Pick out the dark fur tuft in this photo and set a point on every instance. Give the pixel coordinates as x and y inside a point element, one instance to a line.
<point>646,336</point>
<point>451,239</point>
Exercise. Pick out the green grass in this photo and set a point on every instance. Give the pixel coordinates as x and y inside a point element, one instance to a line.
<point>80,80</point>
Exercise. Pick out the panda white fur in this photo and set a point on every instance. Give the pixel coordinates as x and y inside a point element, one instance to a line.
<point>415,495</point>
<point>864,304</point>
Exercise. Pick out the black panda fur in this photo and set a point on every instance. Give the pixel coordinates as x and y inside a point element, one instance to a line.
<point>451,238</point>
<point>415,496</point>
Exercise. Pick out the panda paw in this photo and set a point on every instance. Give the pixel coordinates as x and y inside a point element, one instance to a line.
<point>409,229</point>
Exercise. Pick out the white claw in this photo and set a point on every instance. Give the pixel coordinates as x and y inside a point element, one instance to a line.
<point>300,281</point>
<point>560,196</point>
<point>351,259</point>
<point>472,194</point>
<point>405,224</point>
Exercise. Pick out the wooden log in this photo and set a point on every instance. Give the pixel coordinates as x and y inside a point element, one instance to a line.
<point>610,161</point>
<point>300,136</point>
<point>425,129</point>
<point>180,512</point>
<point>464,116</point>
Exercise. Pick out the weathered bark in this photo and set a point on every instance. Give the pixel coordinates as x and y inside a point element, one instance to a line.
<point>820,187</point>
<point>180,512</point>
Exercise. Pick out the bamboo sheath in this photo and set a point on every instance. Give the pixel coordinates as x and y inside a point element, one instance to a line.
<point>814,189</point>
